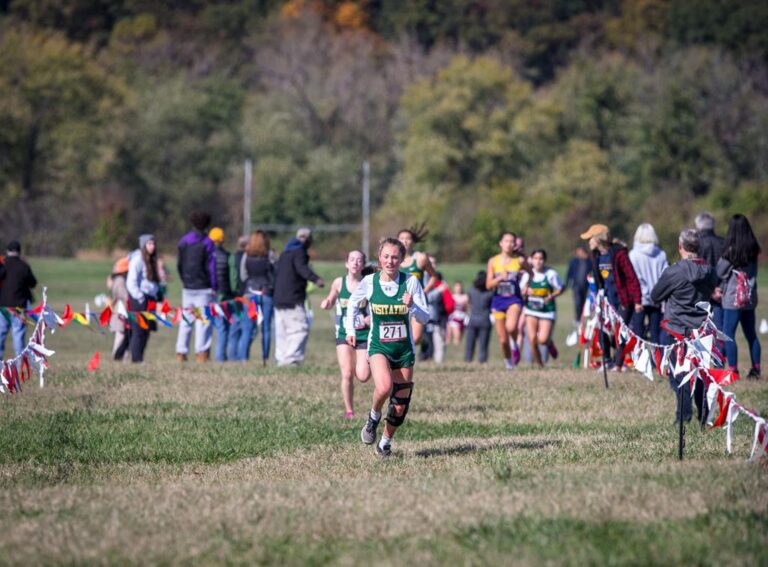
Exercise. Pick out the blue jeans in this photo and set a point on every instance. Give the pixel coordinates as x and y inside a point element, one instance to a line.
<point>731,320</point>
<point>18,331</point>
<point>654,323</point>
<point>233,343</point>
<point>249,329</point>
<point>222,336</point>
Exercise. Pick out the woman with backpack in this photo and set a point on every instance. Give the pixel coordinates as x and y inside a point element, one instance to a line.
<point>737,270</point>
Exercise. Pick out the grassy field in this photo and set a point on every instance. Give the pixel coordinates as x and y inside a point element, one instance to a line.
<point>159,463</point>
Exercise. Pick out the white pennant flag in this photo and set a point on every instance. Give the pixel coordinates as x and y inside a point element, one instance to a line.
<point>643,362</point>
<point>761,440</point>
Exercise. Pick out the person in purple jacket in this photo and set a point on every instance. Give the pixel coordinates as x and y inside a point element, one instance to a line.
<point>196,264</point>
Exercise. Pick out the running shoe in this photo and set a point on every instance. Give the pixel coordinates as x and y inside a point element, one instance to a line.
<point>754,374</point>
<point>552,350</point>
<point>515,354</point>
<point>508,364</point>
<point>368,433</point>
<point>383,452</point>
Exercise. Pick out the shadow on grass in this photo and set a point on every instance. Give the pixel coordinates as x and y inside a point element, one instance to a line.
<point>467,448</point>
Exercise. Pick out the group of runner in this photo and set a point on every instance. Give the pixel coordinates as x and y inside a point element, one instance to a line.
<point>380,316</point>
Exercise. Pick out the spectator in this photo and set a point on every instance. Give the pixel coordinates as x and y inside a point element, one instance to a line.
<point>441,305</point>
<point>613,272</point>
<point>236,285</point>
<point>196,265</point>
<point>291,277</point>
<point>576,278</point>
<point>737,270</point>
<point>143,285</point>
<point>682,286</point>
<point>118,288</point>
<point>257,272</point>
<point>710,250</point>
<point>479,325</point>
<point>17,282</point>
<point>648,261</point>
<point>224,292</point>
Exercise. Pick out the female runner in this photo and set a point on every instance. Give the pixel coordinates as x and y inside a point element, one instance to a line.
<point>352,360</point>
<point>540,289</point>
<point>504,271</point>
<point>415,264</point>
<point>393,299</point>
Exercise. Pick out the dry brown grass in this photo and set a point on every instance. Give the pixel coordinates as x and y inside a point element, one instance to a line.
<point>585,465</point>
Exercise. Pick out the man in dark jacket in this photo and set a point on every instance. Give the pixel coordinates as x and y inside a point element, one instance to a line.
<point>291,276</point>
<point>224,289</point>
<point>576,278</point>
<point>196,264</point>
<point>682,286</point>
<point>710,249</point>
<point>15,293</point>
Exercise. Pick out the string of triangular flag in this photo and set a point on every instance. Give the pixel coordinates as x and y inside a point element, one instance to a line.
<point>15,371</point>
<point>696,357</point>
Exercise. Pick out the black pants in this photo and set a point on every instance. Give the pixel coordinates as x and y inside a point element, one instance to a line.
<point>120,352</point>
<point>684,393</point>
<point>139,336</point>
<point>479,335</point>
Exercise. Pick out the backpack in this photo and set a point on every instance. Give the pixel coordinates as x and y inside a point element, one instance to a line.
<point>742,289</point>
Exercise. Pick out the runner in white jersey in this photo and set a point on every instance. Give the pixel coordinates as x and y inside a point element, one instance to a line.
<point>540,288</point>
<point>393,299</point>
<point>353,361</point>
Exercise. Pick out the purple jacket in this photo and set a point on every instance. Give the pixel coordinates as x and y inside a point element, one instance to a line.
<point>196,261</point>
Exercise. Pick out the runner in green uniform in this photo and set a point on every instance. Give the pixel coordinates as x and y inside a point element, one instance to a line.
<point>416,264</point>
<point>540,288</point>
<point>352,360</point>
<point>393,299</point>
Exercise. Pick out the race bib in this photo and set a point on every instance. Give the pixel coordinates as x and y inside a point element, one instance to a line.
<point>390,332</point>
<point>536,303</point>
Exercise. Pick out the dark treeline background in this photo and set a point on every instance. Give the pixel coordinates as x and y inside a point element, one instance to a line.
<point>121,116</point>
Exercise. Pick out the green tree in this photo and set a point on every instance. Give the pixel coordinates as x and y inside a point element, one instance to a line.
<point>55,144</point>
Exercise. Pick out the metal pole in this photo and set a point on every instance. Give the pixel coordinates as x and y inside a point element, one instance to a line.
<point>366,208</point>
<point>681,440</point>
<point>247,196</point>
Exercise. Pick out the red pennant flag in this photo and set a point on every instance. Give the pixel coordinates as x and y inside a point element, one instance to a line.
<point>66,317</point>
<point>657,358</point>
<point>93,364</point>
<point>26,372</point>
<point>629,346</point>
<point>723,376</point>
<point>37,310</point>
<point>253,311</point>
<point>227,314</point>
<point>165,308</point>
<point>105,316</point>
<point>720,421</point>
<point>176,316</point>
<point>151,305</point>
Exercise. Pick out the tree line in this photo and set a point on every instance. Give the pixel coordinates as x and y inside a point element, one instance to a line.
<point>122,116</point>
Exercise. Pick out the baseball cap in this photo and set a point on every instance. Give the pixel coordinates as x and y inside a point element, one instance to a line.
<point>594,230</point>
<point>216,234</point>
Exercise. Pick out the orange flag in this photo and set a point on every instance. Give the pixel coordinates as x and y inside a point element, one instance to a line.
<point>66,317</point>
<point>93,364</point>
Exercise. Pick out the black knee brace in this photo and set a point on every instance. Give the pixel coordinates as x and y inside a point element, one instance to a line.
<point>394,400</point>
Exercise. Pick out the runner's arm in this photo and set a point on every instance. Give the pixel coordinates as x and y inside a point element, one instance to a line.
<point>423,262</point>
<point>418,309</point>
<point>333,293</point>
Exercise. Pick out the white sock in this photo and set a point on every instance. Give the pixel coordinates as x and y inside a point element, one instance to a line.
<point>375,414</point>
<point>385,441</point>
